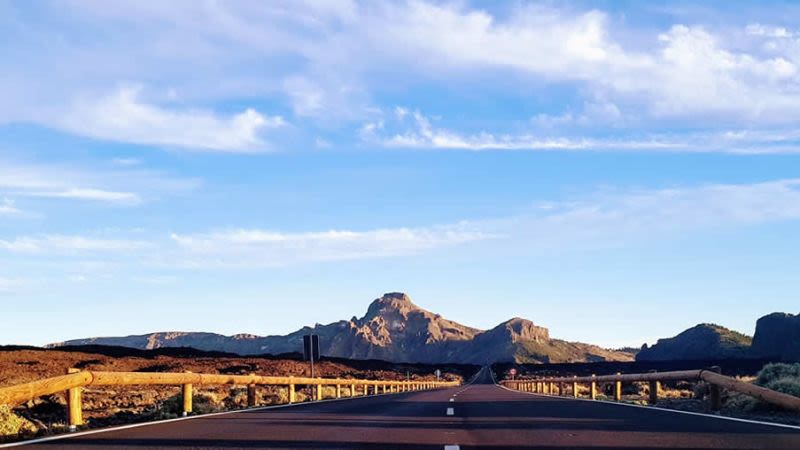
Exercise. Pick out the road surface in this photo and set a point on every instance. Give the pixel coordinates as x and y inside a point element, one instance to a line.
<point>484,416</point>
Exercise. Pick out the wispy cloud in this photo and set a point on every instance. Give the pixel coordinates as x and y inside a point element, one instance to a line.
<point>60,244</point>
<point>126,161</point>
<point>124,117</point>
<point>618,217</point>
<point>255,247</point>
<point>608,217</point>
<point>92,194</point>
<point>421,133</point>
<point>7,207</point>
<point>95,184</point>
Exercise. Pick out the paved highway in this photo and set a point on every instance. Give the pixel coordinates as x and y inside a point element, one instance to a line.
<point>484,416</point>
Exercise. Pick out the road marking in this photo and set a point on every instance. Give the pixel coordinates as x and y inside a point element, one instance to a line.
<point>451,411</point>
<point>452,447</point>
<point>452,399</point>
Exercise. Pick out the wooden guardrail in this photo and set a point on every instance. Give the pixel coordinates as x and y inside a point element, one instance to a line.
<point>73,382</point>
<point>717,382</point>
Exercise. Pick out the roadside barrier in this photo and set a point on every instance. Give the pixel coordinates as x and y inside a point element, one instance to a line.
<point>75,379</point>
<point>570,386</point>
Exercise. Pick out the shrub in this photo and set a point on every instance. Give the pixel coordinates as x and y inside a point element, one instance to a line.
<point>14,425</point>
<point>787,385</point>
<point>776,371</point>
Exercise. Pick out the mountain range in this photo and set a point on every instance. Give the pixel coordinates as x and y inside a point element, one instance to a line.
<point>393,329</point>
<point>777,338</point>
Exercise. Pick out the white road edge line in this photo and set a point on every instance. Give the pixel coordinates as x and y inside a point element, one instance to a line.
<point>178,419</point>
<point>677,411</point>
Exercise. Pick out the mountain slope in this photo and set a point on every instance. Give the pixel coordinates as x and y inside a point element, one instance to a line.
<point>778,336</point>
<point>393,329</point>
<point>704,341</point>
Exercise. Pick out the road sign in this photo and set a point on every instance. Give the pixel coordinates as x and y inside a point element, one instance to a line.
<point>311,347</point>
<point>311,350</point>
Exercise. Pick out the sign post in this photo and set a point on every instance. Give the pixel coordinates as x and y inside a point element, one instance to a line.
<point>311,350</point>
<point>512,372</point>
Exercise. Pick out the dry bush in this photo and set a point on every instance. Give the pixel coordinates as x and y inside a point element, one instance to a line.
<point>14,425</point>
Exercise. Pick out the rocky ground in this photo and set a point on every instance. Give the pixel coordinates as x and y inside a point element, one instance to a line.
<point>117,405</point>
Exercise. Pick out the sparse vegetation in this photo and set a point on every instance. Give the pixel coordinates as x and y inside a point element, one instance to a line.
<point>13,425</point>
<point>115,405</point>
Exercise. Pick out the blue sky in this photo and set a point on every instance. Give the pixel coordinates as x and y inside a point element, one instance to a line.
<point>615,171</point>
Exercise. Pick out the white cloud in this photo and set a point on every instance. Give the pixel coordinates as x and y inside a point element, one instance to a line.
<point>92,194</point>
<point>757,29</point>
<point>328,61</point>
<point>87,183</point>
<point>7,207</point>
<point>124,117</point>
<point>58,244</point>
<point>619,217</point>
<point>607,217</point>
<point>255,247</point>
<point>126,161</point>
<point>595,113</point>
<point>421,133</point>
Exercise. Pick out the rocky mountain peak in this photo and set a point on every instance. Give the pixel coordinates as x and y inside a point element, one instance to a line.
<point>392,303</point>
<point>519,329</point>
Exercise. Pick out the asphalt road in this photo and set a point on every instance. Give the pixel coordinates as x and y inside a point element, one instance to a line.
<point>485,416</point>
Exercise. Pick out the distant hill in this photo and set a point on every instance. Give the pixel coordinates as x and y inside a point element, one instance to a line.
<point>704,341</point>
<point>778,337</point>
<point>393,329</point>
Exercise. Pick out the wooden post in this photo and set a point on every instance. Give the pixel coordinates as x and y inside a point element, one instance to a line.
<point>352,390</point>
<point>561,389</point>
<point>575,388</point>
<point>338,390</point>
<point>75,404</point>
<point>292,396</point>
<point>715,393</point>
<point>618,389</point>
<point>318,397</point>
<point>654,386</point>
<point>593,388</point>
<point>552,388</point>
<point>383,388</point>
<point>251,395</point>
<point>186,395</point>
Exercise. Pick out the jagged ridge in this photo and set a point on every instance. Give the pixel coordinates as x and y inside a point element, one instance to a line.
<point>393,329</point>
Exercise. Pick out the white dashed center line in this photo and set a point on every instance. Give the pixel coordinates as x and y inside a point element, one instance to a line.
<point>452,447</point>
<point>451,411</point>
<point>452,399</point>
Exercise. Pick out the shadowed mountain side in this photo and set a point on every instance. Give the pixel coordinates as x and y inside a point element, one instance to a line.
<point>393,329</point>
<point>699,342</point>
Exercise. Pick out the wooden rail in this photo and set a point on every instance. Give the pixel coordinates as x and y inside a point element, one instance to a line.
<point>73,382</point>
<point>717,382</point>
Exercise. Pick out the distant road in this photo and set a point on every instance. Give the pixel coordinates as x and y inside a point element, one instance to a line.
<point>484,416</point>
